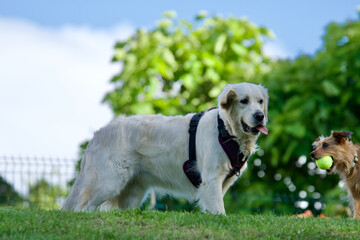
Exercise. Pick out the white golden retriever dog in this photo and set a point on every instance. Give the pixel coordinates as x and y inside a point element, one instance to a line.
<point>133,154</point>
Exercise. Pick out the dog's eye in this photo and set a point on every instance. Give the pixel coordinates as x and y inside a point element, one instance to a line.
<point>244,101</point>
<point>261,101</point>
<point>325,145</point>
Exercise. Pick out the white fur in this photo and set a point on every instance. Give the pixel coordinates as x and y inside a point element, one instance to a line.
<point>133,154</point>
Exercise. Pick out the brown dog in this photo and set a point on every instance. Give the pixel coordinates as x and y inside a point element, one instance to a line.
<point>345,157</point>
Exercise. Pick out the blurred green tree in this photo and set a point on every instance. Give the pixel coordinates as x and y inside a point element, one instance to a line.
<point>8,195</point>
<point>44,195</point>
<point>309,97</point>
<point>180,67</point>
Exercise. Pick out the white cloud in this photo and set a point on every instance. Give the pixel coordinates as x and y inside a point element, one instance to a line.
<point>52,82</point>
<point>275,50</point>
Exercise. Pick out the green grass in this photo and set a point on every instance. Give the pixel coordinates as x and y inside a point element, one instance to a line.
<point>16,223</point>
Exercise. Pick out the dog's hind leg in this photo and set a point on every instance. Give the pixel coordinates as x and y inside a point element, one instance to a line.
<point>130,197</point>
<point>98,182</point>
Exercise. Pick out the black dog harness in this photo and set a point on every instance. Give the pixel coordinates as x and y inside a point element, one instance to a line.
<point>227,142</point>
<point>190,165</point>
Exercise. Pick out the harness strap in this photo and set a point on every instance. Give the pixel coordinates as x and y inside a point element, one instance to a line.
<point>227,142</point>
<point>231,148</point>
<point>189,166</point>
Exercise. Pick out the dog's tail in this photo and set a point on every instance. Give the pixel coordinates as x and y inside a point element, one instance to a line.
<point>70,202</point>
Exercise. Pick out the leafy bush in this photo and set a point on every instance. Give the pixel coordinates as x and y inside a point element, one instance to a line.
<point>180,67</point>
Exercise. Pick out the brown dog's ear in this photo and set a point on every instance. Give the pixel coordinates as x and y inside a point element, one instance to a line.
<point>340,136</point>
<point>228,99</point>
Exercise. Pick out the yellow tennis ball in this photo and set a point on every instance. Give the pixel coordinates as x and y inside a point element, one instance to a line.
<point>324,163</point>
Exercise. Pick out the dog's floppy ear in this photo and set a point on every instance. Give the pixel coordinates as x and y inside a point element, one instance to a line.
<point>266,100</point>
<point>340,136</point>
<point>227,98</point>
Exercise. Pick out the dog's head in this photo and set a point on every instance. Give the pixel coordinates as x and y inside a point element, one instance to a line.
<point>245,107</point>
<point>338,147</point>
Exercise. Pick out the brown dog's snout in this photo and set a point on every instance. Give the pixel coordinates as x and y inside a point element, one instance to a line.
<point>312,155</point>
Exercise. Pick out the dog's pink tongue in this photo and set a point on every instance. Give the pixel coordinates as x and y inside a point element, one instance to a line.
<point>263,129</point>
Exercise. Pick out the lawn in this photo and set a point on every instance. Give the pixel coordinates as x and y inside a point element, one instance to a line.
<point>17,223</point>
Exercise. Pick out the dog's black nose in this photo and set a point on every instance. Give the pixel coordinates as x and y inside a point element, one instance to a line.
<point>259,116</point>
<point>312,154</point>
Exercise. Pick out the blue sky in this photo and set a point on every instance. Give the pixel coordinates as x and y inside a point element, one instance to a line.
<point>55,58</point>
<point>298,25</point>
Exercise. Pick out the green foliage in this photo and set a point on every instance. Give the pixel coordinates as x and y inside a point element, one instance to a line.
<point>309,97</point>
<point>337,208</point>
<point>135,224</point>
<point>46,196</point>
<point>8,195</point>
<point>180,67</point>
<point>319,93</point>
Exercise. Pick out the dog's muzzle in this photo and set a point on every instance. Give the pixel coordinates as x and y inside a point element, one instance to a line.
<point>254,130</point>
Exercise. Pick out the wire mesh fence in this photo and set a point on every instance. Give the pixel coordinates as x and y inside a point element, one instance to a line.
<point>35,181</point>
<point>44,182</point>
